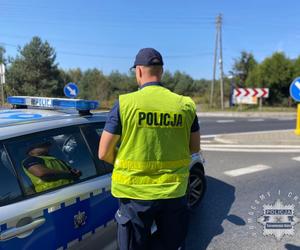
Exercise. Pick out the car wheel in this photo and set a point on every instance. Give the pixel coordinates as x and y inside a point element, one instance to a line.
<point>196,187</point>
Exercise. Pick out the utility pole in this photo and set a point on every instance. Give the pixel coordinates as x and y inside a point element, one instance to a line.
<point>221,63</point>
<point>218,45</point>
<point>214,67</point>
<point>2,81</point>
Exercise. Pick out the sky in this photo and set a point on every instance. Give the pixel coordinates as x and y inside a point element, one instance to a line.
<point>108,34</point>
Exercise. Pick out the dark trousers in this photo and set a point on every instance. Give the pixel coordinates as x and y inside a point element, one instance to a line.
<point>135,219</point>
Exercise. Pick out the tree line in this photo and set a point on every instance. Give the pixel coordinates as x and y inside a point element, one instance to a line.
<point>34,71</point>
<point>275,72</point>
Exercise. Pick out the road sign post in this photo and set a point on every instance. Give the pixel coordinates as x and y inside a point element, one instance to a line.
<point>2,81</point>
<point>297,131</point>
<point>295,94</point>
<point>260,103</point>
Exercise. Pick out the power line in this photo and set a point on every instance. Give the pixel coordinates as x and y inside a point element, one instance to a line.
<point>179,56</point>
<point>166,26</point>
<point>9,44</point>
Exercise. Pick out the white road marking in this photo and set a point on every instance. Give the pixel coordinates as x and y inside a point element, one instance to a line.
<point>221,140</point>
<point>249,133</point>
<point>206,141</point>
<point>256,120</point>
<point>286,118</point>
<point>255,132</point>
<point>296,158</point>
<point>250,150</point>
<point>247,170</point>
<point>225,121</point>
<point>208,136</point>
<point>251,146</point>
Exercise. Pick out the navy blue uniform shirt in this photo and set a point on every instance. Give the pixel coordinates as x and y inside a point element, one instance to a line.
<point>113,123</point>
<point>32,160</point>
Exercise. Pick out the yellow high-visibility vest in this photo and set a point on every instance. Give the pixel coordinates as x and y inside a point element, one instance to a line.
<point>153,158</point>
<point>52,163</point>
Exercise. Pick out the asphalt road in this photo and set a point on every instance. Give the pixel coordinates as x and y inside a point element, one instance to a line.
<point>227,219</point>
<point>239,185</point>
<point>223,125</point>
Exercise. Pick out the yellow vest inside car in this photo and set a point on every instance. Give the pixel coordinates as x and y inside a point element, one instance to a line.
<point>52,163</point>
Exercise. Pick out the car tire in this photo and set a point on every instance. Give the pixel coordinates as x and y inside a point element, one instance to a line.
<point>196,186</point>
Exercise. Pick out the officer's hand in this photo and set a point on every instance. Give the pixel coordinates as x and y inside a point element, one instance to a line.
<point>76,173</point>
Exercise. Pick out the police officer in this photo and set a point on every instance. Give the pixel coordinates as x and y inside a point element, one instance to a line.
<point>156,131</point>
<point>45,171</point>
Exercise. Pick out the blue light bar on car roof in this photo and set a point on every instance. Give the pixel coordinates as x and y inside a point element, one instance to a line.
<point>53,103</point>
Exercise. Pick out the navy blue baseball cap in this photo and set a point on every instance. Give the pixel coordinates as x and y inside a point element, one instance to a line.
<point>148,57</point>
<point>43,144</point>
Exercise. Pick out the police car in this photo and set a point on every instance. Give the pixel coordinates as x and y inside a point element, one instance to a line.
<point>79,213</point>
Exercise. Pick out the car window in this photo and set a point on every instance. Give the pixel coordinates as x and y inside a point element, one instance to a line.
<point>98,130</point>
<point>9,186</point>
<point>51,159</point>
<point>93,133</point>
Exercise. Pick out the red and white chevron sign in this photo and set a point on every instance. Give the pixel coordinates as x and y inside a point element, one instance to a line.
<point>251,92</point>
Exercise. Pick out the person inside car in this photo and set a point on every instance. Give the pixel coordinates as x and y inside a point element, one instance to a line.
<point>45,171</point>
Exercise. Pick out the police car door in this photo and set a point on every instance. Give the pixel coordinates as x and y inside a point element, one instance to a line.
<point>56,217</point>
